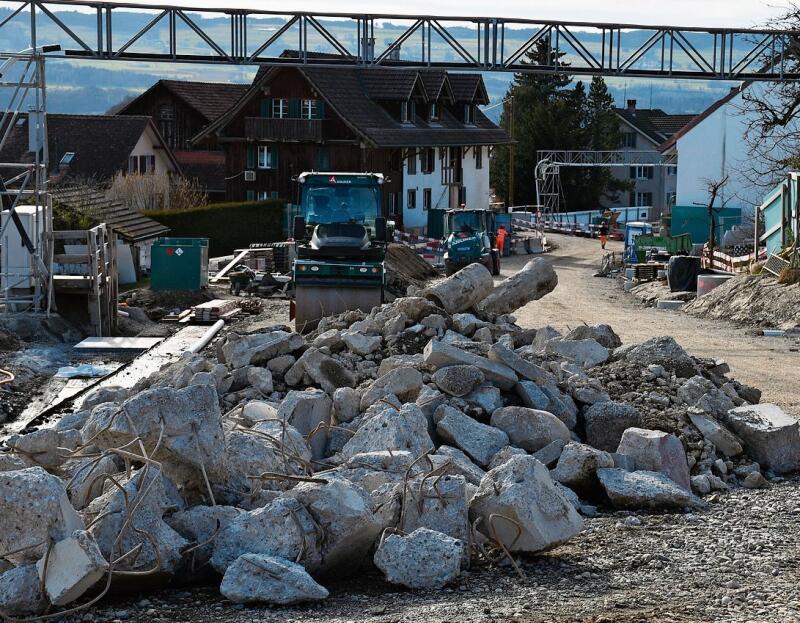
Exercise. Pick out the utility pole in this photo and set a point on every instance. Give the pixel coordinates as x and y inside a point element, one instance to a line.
<point>511,151</point>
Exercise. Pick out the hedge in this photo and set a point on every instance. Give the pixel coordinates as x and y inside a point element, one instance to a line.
<point>228,226</point>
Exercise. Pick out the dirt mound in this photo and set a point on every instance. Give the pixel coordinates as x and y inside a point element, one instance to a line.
<point>9,342</point>
<point>157,303</point>
<point>751,299</point>
<point>404,268</point>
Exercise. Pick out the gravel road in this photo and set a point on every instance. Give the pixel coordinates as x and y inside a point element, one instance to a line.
<point>771,364</point>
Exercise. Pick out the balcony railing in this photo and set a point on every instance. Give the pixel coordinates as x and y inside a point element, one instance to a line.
<point>283,129</point>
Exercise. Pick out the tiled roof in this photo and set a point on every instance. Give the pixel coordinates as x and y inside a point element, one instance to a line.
<point>697,120</point>
<point>127,223</point>
<point>354,94</point>
<point>101,143</point>
<point>207,167</point>
<point>210,99</point>
<point>654,123</point>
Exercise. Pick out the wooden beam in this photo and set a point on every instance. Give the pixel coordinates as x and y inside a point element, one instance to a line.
<point>230,266</point>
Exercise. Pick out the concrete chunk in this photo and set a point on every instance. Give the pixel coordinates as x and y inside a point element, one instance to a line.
<point>257,578</point>
<point>644,490</point>
<point>306,411</point>
<point>440,355</point>
<point>259,348</point>
<point>605,422</point>
<point>458,380</point>
<point>770,436</point>
<point>463,291</point>
<point>656,451</point>
<point>478,441</point>
<point>587,353</point>
<point>536,279</point>
<point>390,430</point>
<point>723,440</point>
<point>20,592</point>
<point>424,559</point>
<point>403,382</point>
<point>522,490</point>
<point>530,429</point>
<point>75,565</point>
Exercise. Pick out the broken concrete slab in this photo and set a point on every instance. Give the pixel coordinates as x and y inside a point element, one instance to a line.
<point>21,593</point>
<point>645,490</point>
<point>390,430</point>
<point>479,441</point>
<point>239,351</point>
<point>199,525</point>
<point>34,508</point>
<point>587,353</point>
<point>577,467</point>
<point>664,351</point>
<point>346,404</point>
<point>462,464</point>
<point>605,422</point>
<point>403,382</point>
<point>770,436</point>
<point>530,429</point>
<point>438,504</point>
<point>602,333</point>
<point>714,432</point>
<point>85,481</point>
<point>258,578</point>
<point>525,369</point>
<point>424,559</point>
<point>440,355</point>
<point>458,380</point>
<point>702,394</point>
<point>656,451</point>
<point>519,504</point>
<point>536,279</point>
<point>74,565</point>
<point>308,411</point>
<point>322,369</point>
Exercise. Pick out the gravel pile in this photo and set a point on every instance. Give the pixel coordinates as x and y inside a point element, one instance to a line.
<point>424,439</point>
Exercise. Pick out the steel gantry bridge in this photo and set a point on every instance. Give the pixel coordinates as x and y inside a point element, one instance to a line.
<point>148,32</point>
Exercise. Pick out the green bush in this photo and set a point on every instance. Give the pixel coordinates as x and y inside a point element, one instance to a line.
<point>228,226</point>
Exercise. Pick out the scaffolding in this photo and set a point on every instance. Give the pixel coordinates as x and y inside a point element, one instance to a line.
<point>25,206</point>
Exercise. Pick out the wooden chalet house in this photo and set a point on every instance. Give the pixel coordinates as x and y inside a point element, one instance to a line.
<point>421,129</point>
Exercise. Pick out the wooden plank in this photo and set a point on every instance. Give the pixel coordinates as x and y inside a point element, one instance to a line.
<point>65,258</point>
<point>70,234</point>
<point>228,268</point>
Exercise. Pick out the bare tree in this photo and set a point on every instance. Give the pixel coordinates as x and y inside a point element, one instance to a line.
<point>715,188</point>
<point>149,192</point>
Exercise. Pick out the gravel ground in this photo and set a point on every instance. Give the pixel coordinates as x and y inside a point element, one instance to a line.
<point>737,561</point>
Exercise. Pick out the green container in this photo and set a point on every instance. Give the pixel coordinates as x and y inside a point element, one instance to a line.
<point>694,220</point>
<point>179,264</point>
<point>436,223</point>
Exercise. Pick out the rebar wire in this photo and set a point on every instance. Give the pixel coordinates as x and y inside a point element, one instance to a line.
<point>9,376</point>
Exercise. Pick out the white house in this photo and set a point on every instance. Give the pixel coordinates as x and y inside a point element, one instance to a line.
<point>443,177</point>
<point>715,146</point>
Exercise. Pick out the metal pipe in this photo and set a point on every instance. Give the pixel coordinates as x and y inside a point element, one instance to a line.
<point>207,337</point>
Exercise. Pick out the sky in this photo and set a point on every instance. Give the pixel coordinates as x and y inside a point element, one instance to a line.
<point>709,13</point>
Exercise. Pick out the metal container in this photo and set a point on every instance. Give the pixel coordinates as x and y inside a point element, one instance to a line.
<point>706,283</point>
<point>179,264</point>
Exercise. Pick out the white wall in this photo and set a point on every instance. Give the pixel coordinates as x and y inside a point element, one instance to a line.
<point>476,182</point>
<point>716,148</point>
<point>146,146</point>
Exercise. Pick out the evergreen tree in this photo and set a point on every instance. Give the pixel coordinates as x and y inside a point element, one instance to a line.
<point>552,112</point>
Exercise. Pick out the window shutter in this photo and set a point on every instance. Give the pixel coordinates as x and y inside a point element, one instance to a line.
<point>273,151</point>
<point>650,173</point>
<point>633,173</point>
<point>251,156</point>
<point>294,108</point>
<point>251,195</point>
<point>266,107</point>
<point>320,109</point>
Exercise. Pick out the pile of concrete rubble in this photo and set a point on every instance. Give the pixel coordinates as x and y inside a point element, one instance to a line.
<point>428,435</point>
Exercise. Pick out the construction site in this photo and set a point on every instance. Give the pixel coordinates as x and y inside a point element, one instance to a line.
<point>355,336</point>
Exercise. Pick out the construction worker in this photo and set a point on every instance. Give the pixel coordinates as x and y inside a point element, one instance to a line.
<point>603,234</point>
<point>501,240</point>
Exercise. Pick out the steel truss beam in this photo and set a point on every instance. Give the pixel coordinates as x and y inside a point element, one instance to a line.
<point>550,162</point>
<point>490,44</point>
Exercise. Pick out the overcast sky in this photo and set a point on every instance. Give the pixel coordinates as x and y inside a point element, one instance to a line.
<point>711,13</point>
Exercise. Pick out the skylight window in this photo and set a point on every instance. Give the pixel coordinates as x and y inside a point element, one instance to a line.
<point>67,158</point>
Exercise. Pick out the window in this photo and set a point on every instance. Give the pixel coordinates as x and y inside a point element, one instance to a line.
<point>407,112</point>
<point>309,109</point>
<point>67,158</point>
<point>166,112</point>
<point>267,157</point>
<point>427,160</point>
<point>141,164</point>
<point>629,140</point>
<point>411,199</point>
<point>280,108</point>
<point>644,199</point>
<point>433,112</point>
<point>411,162</point>
<point>394,203</point>
<point>263,195</point>
<point>641,173</point>
<point>462,195</point>
<point>671,196</point>
<point>469,114</point>
<point>479,157</point>
<point>672,170</point>
<point>426,199</point>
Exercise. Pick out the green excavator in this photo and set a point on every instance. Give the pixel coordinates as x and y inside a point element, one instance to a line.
<point>470,238</point>
<point>341,236</point>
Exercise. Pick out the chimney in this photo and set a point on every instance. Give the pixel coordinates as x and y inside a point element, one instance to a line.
<point>631,105</point>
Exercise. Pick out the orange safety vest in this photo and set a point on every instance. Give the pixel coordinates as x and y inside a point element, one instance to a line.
<point>501,239</point>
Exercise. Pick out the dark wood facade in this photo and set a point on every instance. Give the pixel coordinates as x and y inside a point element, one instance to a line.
<point>177,121</point>
<point>296,144</point>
